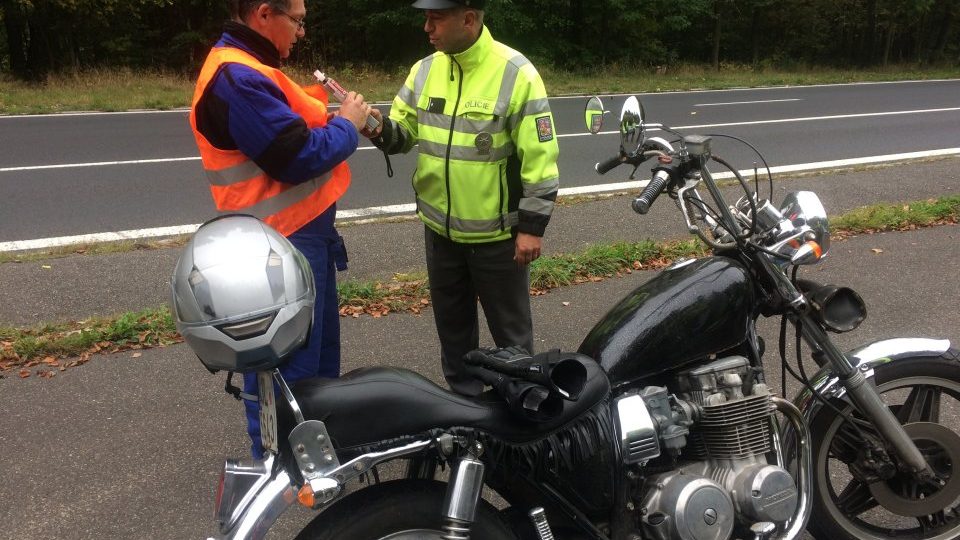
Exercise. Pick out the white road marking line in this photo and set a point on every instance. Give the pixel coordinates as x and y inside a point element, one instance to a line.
<point>97,164</point>
<point>746,102</point>
<point>561,136</point>
<point>816,118</point>
<point>655,127</point>
<point>571,96</point>
<point>762,88</point>
<point>89,113</point>
<point>46,243</point>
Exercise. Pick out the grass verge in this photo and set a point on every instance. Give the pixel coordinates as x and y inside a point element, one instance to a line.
<point>48,349</point>
<point>99,248</point>
<point>898,217</point>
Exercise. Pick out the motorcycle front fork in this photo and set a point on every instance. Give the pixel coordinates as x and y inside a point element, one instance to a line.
<point>866,398</point>
<point>463,496</point>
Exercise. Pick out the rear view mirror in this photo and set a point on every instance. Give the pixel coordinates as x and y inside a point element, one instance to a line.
<point>632,127</point>
<point>593,115</point>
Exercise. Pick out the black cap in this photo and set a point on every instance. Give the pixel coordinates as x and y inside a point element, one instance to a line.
<point>448,4</point>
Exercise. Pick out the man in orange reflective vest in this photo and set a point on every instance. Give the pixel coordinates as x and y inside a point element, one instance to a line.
<point>270,149</point>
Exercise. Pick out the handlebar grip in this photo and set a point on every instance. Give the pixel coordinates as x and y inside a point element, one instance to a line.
<point>606,166</point>
<point>642,204</point>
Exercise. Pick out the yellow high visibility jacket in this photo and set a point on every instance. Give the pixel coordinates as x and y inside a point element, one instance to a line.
<point>487,146</point>
<point>239,185</point>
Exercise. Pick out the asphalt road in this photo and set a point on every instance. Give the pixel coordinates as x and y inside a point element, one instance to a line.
<point>128,447</point>
<point>65,175</point>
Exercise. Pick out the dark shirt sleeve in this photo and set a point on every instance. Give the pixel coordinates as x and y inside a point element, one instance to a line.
<point>262,125</point>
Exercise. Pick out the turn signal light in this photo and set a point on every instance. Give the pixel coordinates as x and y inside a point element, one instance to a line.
<point>817,250</point>
<point>809,253</point>
<point>306,496</point>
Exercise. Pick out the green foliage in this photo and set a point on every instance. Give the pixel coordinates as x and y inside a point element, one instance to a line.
<point>147,328</point>
<point>892,217</point>
<point>605,260</point>
<point>40,37</point>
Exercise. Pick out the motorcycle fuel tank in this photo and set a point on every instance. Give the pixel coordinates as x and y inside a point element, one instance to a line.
<point>688,311</point>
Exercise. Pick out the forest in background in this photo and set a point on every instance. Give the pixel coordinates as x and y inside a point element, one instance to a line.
<point>40,38</point>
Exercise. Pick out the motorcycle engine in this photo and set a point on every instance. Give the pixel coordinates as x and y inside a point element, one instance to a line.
<point>716,427</point>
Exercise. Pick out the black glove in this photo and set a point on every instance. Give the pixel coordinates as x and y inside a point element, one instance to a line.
<point>561,373</point>
<point>527,400</point>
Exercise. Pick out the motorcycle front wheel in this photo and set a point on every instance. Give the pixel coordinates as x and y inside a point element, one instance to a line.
<point>398,510</point>
<point>924,394</point>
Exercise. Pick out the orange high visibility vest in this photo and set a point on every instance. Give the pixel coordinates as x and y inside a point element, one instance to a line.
<point>239,185</point>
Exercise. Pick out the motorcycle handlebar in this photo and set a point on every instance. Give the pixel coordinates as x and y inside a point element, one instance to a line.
<point>606,166</point>
<point>642,204</point>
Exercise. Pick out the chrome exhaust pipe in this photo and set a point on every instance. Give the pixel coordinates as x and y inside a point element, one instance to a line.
<point>797,524</point>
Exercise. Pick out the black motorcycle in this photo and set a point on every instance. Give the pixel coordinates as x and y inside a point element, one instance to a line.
<point>661,426</point>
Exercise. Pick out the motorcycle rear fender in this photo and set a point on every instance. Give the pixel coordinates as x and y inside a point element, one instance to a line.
<point>256,510</point>
<point>866,358</point>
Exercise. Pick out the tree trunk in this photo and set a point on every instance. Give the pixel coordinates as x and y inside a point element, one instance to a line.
<point>918,41</point>
<point>39,53</point>
<point>870,39</point>
<point>605,44</point>
<point>755,36</point>
<point>15,24</point>
<point>575,30</point>
<point>888,44</point>
<point>716,35</point>
<point>943,32</point>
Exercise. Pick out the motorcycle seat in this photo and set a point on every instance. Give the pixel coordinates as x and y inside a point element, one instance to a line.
<point>369,405</point>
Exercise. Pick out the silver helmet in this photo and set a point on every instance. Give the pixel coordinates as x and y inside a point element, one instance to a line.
<point>241,295</point>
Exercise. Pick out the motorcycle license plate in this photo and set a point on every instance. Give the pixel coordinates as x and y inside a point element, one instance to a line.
<point>268,411</point>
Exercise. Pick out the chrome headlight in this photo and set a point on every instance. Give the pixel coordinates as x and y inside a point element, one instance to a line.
<point>804,210</point>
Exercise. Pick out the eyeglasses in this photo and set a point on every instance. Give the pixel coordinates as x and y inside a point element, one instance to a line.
<point>298,22</point>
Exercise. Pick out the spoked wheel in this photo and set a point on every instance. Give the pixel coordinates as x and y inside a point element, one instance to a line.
<point>398,510</point>
<point>924,394</point>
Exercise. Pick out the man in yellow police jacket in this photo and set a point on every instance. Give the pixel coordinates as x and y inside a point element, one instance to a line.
<point>486,178</point>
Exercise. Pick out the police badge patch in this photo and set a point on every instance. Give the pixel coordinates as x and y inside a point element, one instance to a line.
<point>544,129</point>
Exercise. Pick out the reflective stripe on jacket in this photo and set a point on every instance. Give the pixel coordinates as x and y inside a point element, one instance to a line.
<point>487,148</point>
<point>239,185</point>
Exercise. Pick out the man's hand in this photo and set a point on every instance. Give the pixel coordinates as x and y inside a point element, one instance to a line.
<point>527,248</point>
<point>374,112</point>
<point>355,109</point>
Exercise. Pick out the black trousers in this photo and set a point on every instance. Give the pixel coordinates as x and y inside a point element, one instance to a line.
<point>460,275</point>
